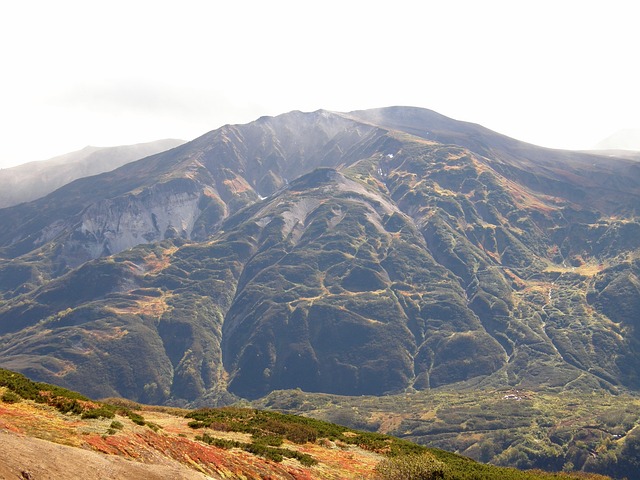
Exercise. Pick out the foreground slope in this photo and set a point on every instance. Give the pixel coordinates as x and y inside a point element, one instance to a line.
<point>363,253</point>
<point>51,433</point>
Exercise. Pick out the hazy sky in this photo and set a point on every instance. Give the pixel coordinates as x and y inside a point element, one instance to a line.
<point>558,73</point>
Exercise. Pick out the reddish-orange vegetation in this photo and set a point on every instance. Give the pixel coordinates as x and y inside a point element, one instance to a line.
<point>155,263</point>
<point>237,185</point>
<point>154,306</point>
<point>174,444</point>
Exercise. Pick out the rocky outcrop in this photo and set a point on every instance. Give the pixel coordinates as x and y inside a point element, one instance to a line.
<point>163,211</point>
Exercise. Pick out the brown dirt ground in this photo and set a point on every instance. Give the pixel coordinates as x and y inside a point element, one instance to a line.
<point>29,458</point>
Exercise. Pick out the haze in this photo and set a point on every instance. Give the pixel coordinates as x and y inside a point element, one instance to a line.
<point>557,74</point>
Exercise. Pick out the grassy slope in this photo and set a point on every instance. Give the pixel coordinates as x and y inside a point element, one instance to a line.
<point>594,432</point>
<point>181,439</point>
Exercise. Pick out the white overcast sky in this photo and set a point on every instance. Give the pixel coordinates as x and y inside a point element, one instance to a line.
<point>558,73</point>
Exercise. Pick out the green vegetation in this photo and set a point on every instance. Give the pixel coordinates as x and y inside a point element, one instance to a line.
<point>260,447</point>
<point>116,425</point>
<point>104,411</point>
<point>19,387</point>
<point>460,468</point>
<point>269,431</point>
<point>405,460</point>
<point>135,417</point>
<point>11,397</point>
<point>550,430</point>
<point>460,271</point>
<point>61,398</point>
<point>265,425</point>
<point>411,467</point>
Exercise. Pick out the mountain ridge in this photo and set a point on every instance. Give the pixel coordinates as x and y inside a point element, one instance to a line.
<point>33,180</point>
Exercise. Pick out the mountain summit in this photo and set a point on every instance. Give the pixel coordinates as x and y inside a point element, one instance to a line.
<point>355,253</point>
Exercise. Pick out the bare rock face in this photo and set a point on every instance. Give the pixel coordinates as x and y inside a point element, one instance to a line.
<point>112,225</point>
<point>157,213</point>
<point>362,253</point>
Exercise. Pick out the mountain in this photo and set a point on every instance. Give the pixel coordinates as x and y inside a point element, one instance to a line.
<point>628,139</point>
<point>362,253</point>
<point>36,179</point>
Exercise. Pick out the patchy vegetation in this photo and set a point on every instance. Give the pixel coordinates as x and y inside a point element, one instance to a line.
<point>553,431</point>
<point>18,387</point>
<point>266,425</point>
<point>417,466</point>
<point>221,439</point>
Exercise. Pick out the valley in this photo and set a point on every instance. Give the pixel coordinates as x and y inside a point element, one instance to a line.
<point>550,429</point>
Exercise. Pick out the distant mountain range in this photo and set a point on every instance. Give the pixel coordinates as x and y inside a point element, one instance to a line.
<point>628,139</point>
<point>355,253</point>
<point>36,179</point>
